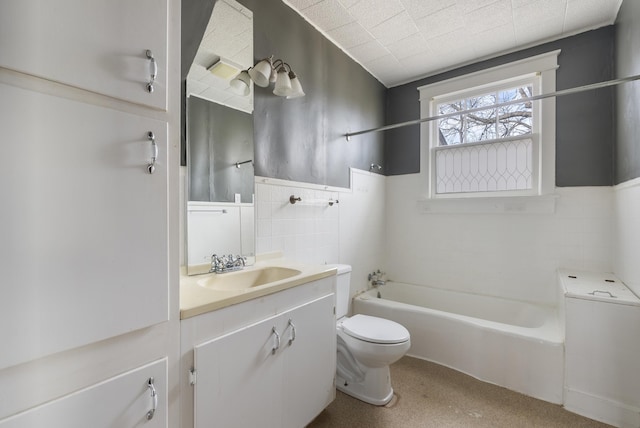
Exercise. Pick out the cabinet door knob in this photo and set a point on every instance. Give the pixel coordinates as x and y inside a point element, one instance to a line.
<point>293,332</point>
<point>151,167</point>
<point>153,70</point>
<point>277,345</point>
<point>154,399</point>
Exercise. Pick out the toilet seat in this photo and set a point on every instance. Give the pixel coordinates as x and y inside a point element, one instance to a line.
<point>375,330</point>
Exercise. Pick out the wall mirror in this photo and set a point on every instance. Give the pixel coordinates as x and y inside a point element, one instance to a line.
<point>220,180</point>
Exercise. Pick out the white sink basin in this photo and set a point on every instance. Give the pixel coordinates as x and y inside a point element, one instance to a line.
<point>247,278</point>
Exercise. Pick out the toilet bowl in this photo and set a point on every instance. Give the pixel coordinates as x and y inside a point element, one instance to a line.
<point>366,346</point>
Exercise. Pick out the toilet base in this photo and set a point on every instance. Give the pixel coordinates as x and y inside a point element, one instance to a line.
<point>374,389</point>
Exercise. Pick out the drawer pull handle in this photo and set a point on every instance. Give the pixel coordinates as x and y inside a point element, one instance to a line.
<point>154,398</point>
<point>153,71</point>
<point>293,332</point>
<point>151,167</point>
<point>277,345</point>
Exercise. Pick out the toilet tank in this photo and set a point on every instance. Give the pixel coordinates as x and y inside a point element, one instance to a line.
<point>343,282</point>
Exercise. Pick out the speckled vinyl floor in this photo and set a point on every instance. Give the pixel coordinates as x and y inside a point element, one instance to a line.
<point>430,395</point>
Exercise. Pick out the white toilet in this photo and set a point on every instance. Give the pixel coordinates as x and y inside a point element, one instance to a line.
<point>366,347</point>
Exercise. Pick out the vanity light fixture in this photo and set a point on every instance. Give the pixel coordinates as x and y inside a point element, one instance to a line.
<point>268,70</point>
<point>241,84</point>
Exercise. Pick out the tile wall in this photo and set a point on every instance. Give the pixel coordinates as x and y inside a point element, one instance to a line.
<point>512,255</point>
<point>350,232</point>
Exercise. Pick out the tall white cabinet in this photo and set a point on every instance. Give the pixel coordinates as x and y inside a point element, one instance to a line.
<point>89,99</point>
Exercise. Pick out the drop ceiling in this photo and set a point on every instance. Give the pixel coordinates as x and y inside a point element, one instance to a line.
<point>399,41</point>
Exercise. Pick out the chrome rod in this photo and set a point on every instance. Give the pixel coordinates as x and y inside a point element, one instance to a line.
<point>560,93</point>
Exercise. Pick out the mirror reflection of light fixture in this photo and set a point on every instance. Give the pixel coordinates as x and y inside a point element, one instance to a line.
<point>241,84</point>
<point>268,70</point>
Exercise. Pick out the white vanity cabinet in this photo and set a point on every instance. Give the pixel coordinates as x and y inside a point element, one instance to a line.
<point>277,371</point>
<point>133,399</point>
<point>97,45</point>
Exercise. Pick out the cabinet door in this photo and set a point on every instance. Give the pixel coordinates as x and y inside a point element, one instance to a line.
<point>98,45</point>
<point>123,401</point>
<point>83,224</point>
<point>309,361</point>
<point>239,379</point>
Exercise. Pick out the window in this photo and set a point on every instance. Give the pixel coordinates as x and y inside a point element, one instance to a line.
<point>487,142</point>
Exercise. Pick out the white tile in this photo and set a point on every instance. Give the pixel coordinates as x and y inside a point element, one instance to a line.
<point>355,24</point>
<point>415,44</point>
<point>397,28</point>
<point>497,39</point>
<point>301,4</point>
<point>370,13</point>
<point>419,8</point>
<point>589,14</point>
<point>349,35</point>
<point>327,15</point>
<point>349,3</point>
<point>469,6</point>
<point>490,16</point>
<point>444,21</point>
<point>368,51</point>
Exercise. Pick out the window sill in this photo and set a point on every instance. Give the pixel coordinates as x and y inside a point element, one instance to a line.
<point>545,204</point>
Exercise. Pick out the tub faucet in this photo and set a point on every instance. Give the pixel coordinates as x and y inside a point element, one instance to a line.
<point>376,278</point>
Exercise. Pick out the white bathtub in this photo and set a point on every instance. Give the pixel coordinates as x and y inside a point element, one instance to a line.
<point>513,344</point>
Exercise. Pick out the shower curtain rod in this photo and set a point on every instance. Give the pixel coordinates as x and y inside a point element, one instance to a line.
<point>562,92</point>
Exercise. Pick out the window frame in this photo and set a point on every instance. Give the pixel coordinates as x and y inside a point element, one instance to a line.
<point>542,70</point>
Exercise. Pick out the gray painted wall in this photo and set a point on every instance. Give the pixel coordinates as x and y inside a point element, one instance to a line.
<point>301,139</point>
<point>627,149</point>
<point>585,124</point>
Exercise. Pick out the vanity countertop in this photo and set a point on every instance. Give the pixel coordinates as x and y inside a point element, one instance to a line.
<point>196,299</point>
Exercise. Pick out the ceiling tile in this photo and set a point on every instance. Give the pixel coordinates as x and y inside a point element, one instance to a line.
<point>441,22</point>
<point>454,41</point>
<point>468,6</point>
<point>420,8</point>
<point>533,12</point>
<point>428,36</point>
<point>590,14</point>
<point>370,13</point>
<point>537,31</point>
<point>385,67</point>
<point>412,45</point>
<point>495,40</point>
<point>349,35</point>
<point>397,28</point>
<point>327,15</point>
<point>348,3</point>
<point>493,15</point>
<point>368,51</point>
<point>301,4</point>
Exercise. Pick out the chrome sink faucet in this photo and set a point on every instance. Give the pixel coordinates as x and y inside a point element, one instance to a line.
<point>229,263</point>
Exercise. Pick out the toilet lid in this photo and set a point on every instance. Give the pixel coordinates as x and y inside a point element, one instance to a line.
<point>374,329</point>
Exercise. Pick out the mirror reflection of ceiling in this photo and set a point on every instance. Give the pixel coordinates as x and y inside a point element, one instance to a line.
<point>228,41</point>
<point>400,41</point>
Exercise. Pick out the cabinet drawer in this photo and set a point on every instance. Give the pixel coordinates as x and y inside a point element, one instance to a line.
<point>86,221</point>
<point>97,45</point>
<point>123,401</point>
